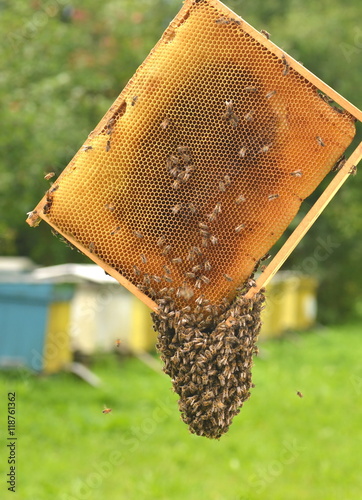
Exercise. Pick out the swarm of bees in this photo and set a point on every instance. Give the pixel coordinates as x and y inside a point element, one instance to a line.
<point>210,366</point>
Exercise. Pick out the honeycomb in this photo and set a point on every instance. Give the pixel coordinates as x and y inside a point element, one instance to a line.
<point>201,163</point>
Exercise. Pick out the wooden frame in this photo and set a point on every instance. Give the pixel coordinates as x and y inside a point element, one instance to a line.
<point>313,213</point>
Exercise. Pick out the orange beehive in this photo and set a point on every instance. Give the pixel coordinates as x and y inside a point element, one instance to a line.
<point>201,163</point>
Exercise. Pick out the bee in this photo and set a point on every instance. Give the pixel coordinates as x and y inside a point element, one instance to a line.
<point>265,257</point>
<point>167,278</point>
<point>203,226</point>
<point>165,123</point>
<point>217,209</point>
<point>239,228</point>
<point>106,410</point>
<point>91,247</point>
<point>205,279</point>
<point>222,20</point>
<point>134,100</point>
<point>176,184</point>
<point>222,186</point>
<point>227,277</point>
<point>166,249</point>
<point>297,173</point>
<point>196,250</point>
<point>176,260</point>
<point>174,159</point>
<point>342,160</point>
<point>214,240</point>
<point>161,241</point>
<point>109,207</point>
<point>136,270</point>
<point>118,342</point>
<point>271,94</point>
<point>177,208</point>
<point>265,33</point>
<point>108,145</point>
<point>156,279</point>
<point>49,175</point>
<point>264,149</point>
<point>204,234</point>
<point>273,197</point>
<point>115,230</point>
<point>242,152</point>
<point>143,258</point>
<point>192,208</point>
<point>227,180</point>
<point>252,90</point>
<point>207,266</point>
<point>251,283</point>
<point>299,394</point>
<point>320,141</point>
<point>249,116</point>
<point>190,275</point>
<point>185,292</point>
<point>286,65</point>
<point>87,148</point>
<point>353,170</point>
<point>198,283</point>
<point>138,235</point>
<point>167,269</point>
<point>234,120</point>
<point>239,199</point>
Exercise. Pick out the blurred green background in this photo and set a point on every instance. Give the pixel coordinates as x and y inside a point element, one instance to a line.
<point>62,64</point>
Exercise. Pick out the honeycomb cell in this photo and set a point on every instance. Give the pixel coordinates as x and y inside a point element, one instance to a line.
<point>200,164</point>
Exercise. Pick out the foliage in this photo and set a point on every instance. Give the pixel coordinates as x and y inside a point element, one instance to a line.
<point>64,64</point>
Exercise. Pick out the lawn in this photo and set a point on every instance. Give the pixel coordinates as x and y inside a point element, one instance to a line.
<point>280,447</point>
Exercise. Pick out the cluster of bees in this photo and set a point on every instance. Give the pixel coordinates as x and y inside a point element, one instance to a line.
<point>179,166</point>
<point>210,366</point>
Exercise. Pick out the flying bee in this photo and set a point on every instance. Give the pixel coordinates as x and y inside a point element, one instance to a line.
<point>227,277</point>
<point>286,65</point>
<point>109,207</point>
<point>166,249</point>
<point>143,258</point>
<point>297,173</point>
<point>242,152</point>
<point>273,197</point>
<point>320,141</point>
<point>249,116</point>
<point>138,234</point>
<point>239,199</point>
<point>161,241</point>
<point>176,208</point>
<point>115,230</point>
<point>134,100</point>
<point>108,145</point>
<point>136,270</point>
<point>252,90</point>
<point>265,33</point>
<point>207,266</point>
<point>176,260</point>
<point>239,228</point>
<point>165,123</point>
<point>299,394</point>
<point>214,240</point>
<point>91,247</point>
<point>271,94</point>
<point>118,342</point>
<point>106,410</point>
<point>87,148</point>
<point>49,175</point>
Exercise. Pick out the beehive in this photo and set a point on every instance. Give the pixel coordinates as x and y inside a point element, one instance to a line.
<point>202,161</point>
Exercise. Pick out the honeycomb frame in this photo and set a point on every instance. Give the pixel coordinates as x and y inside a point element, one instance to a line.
<point>186,161</point>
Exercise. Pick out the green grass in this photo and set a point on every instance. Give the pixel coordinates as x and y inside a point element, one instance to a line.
<point>280,447</point>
